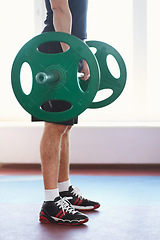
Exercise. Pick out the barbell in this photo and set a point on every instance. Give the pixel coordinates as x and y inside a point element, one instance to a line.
<point>56,77</point>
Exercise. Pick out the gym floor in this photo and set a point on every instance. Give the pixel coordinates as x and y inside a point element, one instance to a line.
<point>129,197</point>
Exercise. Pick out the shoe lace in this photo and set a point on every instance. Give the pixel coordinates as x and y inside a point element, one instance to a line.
<point>65,205</point>
<point>76,192</point>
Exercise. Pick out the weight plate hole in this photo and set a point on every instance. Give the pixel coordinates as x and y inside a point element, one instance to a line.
<point>113,66</point>
<point>53,47</point>
<point>56,106</point>
<point>26,78</point>
<point>80,65</point>
<point>103,94</point>
<point>82,83</point>
<point>93,50</point>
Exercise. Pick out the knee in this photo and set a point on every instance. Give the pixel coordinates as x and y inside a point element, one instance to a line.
<point>55,129</point>
<point>68,128</point>
<point>65,134</point>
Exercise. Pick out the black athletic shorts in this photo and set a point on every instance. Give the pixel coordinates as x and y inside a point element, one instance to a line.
<point>55,106</point>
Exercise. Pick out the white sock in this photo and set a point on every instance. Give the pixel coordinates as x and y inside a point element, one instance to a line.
<point>51,194</point>
<point>64,186</point>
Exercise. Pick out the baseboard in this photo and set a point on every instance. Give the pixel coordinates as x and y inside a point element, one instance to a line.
<point>21,166</point>
<point>37,166</point>
<point>115,166</point>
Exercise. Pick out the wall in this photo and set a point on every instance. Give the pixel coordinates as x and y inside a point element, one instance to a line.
<point>100,144</point>
<point>127,25</point>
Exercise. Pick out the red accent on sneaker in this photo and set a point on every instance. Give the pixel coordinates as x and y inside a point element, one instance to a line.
<point>76,201</point>
<point>79,202</point>
<point>84,221</point>
<point>43,219</point>
<point>62,214</point>
<point>59,213</point>
<point>96,206</point>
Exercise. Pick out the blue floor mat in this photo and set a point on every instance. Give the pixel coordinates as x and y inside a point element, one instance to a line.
<point>110,190</point>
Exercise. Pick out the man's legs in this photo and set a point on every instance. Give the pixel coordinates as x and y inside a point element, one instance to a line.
<point>64,157</point>
<point>64,185</point>
<point>50,153</point>
<point>54,145</point>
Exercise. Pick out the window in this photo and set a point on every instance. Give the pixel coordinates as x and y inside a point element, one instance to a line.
<point>130,26</point>
<point>17,27</point>
<point>111,22</point>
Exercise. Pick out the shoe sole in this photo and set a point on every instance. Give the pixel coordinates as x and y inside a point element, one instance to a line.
<point>44,219</point>
<point>82,208</point>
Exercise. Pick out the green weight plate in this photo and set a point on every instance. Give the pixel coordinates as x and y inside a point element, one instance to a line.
<point>65,65</point>
<point>107,80</point>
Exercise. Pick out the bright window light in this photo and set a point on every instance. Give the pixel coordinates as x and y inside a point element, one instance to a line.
<point>130,26</point>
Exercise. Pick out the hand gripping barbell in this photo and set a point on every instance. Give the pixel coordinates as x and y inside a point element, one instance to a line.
<point>54,76</point>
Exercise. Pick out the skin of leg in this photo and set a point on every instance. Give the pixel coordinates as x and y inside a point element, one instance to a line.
<point>50,148</point>
<point>64,157</point>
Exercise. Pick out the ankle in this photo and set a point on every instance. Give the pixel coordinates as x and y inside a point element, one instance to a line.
<point>64,186</point>
<point>51,194</point>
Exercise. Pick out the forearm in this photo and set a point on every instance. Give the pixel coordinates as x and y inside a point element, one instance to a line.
<point>62,18</point>
<point>62,21</point>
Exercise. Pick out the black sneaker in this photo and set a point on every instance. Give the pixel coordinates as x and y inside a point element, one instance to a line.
<point>78,201</point>
<point>62,212</point>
